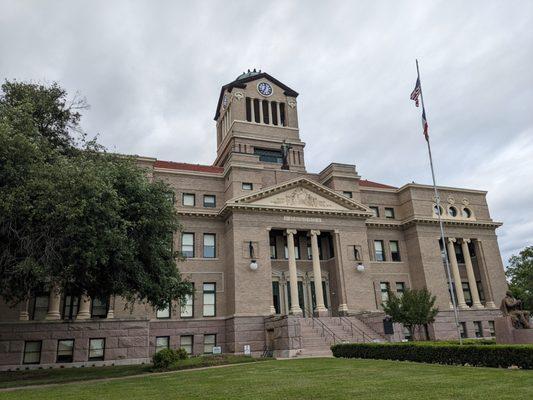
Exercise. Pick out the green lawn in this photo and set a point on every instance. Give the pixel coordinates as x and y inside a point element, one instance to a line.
<point>305,379</point>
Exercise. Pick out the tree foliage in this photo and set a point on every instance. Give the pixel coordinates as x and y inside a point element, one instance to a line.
<point>520,275</point>
<point>74,216</point>
<point>414,309</point>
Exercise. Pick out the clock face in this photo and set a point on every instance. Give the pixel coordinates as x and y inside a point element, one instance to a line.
<point>264,88</point>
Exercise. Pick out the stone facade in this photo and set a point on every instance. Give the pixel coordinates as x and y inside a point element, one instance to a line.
<point>355,238</point>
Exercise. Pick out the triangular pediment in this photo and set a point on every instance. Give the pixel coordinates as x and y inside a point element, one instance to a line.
<point>301,195</point>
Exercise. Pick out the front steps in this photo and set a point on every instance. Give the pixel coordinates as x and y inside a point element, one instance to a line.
<point>320,333</point>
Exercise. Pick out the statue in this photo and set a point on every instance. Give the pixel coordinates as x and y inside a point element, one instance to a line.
<point>285,147</point>
<point>512,307</point>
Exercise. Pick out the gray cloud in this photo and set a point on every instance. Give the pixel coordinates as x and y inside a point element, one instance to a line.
<point>152,72</point>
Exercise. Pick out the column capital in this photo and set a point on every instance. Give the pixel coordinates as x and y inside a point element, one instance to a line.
<point>452,240</point>
<point>291,231</point>
<point>314,232</point>
<point>466,240</point>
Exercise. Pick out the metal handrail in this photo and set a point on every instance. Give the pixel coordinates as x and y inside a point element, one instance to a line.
<point>325,328</point>
<point>352,327</point>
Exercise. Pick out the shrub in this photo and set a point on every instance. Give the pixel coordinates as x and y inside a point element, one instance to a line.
<point>163,359</point>
<point>490,355</point>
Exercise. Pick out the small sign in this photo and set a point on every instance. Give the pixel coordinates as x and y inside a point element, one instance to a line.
<point>247,350</point>
<point>217,350</point>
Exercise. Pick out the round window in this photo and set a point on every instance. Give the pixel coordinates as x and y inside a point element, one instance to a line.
<point>452,211</point>
<point>436,210</point>
<point>467,213</point>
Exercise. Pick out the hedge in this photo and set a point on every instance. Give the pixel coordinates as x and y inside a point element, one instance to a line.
<point>439,353</point>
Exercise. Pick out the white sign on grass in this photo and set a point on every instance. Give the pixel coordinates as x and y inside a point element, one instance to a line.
<point>217,350</point>
<point>247,350</point>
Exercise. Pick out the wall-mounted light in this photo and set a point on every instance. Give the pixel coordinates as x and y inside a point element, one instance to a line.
<point>253,262</point>
<point>360,267</point>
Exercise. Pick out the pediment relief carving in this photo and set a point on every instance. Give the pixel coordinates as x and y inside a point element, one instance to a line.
<point>299,197</point>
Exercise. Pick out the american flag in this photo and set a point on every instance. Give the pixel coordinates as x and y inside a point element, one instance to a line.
<point>415,94</point>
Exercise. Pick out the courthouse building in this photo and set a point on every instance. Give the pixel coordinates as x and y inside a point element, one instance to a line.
<point>283,260</point>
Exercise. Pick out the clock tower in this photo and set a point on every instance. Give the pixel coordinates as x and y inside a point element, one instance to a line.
<point>257,116</point>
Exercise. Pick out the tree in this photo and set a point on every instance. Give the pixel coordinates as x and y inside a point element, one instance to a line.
<point>520,275</point>
<point>73,216</point>
<point>414,309</point>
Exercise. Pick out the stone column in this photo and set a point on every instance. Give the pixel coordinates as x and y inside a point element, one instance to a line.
<point>476,303</point>
<point>341,285</point>
<point>270,113</point>
<point>111,309</point>
<point>24,314</point>
<point>456,276</point>
<point>84,311</point>
<point>278,113</point>
<point>261,112</point>
<point>293,276</point>
<point>489,299</point>
<point>317,275</point>
<point>252,108</point>
<point>53,304</point>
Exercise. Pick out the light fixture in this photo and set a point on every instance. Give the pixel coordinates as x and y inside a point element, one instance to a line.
<point>360,267</point>
<point>253,263</point>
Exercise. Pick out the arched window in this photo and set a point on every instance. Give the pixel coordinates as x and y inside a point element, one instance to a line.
<point>452,211</point>
<point>466,212</point>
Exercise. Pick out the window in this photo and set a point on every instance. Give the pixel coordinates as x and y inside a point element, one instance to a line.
<point>273,250</point>
<point>492,329</point>
<point>480,291</point>
<point>32,352</point>
<point>65,351</point>
<point>395,250</point>
<point>70,307</point>
<point>282,114</point>
<point>209,245</point>
<point>309,249</point>
<point>209,299</point>
<point>400,288</point>
<point>265,112</point>
<point>379,254</point>
<point>247,186</point>
<point>296,249</point>
<point>276,300</point>
<point>348,194</point>
<point>274,108</point>
<point>459,253</point>
<point>256,110</point>
<point>375,210</point>
<point>269,156</point>
<point>163,313</point>
<point>466,213</point>
<point>40,306</point>
<point>462,330</point>
<point>356,253</point>
<point>210,200</point>
<point>452,211</point>
<point>187,309</point>
<point>389,213</point>
<point>189,199</point>
<point>186,342</point>
<point>210,341</point>
<point>96,349</point>
<point>99,308</point>
<point>248,109</point>
<point>385,289</point>
<point>466,292</point>
<point>162,342</point>
<point>436,210</point>
<point>478,329</point>
<point>187,245</point>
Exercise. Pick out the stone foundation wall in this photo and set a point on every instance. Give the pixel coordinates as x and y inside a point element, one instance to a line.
<point>283,335</point>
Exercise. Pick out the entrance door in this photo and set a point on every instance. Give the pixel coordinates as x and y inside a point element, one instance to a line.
<point>301,296</point>
<point>324,294</point>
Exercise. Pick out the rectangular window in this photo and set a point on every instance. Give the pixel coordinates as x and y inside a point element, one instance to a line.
<point>467,294</point>
<point>273,250</point>
<point>269,156</point>
<point>389,212</point>
<point>309,249</point>
<point>256,110</point>
<point>189,199</point>
<point>282,114</point>
<point>210,341</point>
<point>70,306</point>
<point>348,194</point>
<point>375,210</point>
<point>274,107</point>
<point>163,313</point>
<point>99,308</point>
<point>247,186</point>
<point>296,249</point>
<point>162,342</point>
<point>385,289</point>
<point>210,200</point>
<point>480,291</point>
<point>478,329</point>
<point>265,112</point>
<point>65,351</point>
<point>394,250</point>
<point>400,288</point>
<point>186,343</point>
<point>187,245</point>
<point>276,299</point>
<point>96,349</point>
<point>187,309</point>
<point>459,253</point>
<point>248,109</point>
<point>462,329</point>
<point>32,352</point>
<point>492,329</point>
<point>209,245</point>
<point>209,299</point>
<point>40,306</point>
<point>379,254</point>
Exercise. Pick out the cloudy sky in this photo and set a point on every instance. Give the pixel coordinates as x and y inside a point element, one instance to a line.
<point>152,71</point>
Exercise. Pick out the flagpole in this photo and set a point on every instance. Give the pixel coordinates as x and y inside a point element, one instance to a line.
<point>437,200</point>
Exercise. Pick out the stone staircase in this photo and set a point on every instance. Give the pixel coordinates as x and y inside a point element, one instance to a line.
<point>319,333</point>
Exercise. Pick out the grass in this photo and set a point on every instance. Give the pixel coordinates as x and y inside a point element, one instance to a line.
<point>326,378</point>
<point>65,375</point>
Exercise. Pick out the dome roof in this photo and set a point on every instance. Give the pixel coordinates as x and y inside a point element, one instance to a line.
<point>248,74</point>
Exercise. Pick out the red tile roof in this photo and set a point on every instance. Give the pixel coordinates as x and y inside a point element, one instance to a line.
<point>367,183</point>
<point>188,167</point>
